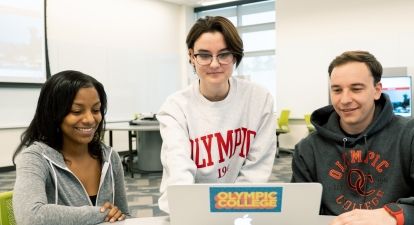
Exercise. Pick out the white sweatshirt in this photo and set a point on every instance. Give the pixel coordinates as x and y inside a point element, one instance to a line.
<point>233,140</point>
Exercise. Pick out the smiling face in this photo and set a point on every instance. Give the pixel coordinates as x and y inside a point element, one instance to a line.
<point>79,125</point>
<point>214,76</point>
<point>353,96</point>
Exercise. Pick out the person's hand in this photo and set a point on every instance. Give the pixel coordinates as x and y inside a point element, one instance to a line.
<point>365,217</point>
<point>114,214</point>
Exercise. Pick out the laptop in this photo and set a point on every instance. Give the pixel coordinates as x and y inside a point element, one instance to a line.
<point>245,204</point>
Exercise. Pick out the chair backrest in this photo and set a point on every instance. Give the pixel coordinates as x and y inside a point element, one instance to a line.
<point>307,119</point>
<point>6,209</point>
<point>283,121</point>
<point>308,123</point>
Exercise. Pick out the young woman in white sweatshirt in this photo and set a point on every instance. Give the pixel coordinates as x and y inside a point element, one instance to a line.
<point>220,129</point>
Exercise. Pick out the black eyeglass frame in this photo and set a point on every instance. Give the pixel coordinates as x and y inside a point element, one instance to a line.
<point>212,57</point>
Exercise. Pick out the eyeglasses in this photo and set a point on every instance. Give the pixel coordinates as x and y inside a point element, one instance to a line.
<point>204,59</point>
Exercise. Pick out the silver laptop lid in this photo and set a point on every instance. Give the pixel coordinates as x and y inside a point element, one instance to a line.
<point>244,204</point>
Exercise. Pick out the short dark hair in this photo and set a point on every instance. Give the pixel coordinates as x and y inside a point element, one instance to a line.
<point>54,103</point>
<point>217,24</point>
<point>359,56</point>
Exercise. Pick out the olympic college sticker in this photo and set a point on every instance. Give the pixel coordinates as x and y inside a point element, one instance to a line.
<point>246,199</point>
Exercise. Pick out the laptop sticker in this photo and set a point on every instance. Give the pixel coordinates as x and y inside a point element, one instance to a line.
<point>246,199</point>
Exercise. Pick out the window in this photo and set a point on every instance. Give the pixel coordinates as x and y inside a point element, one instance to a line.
<point>256,25</point>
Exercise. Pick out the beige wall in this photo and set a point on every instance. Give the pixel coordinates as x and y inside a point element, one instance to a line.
<point>309,34</point>
<point>9,139</point>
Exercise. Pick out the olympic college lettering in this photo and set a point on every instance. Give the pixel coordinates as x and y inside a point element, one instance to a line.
<point>242,200</point>
<point>359,180</point>
<point>246,199</point>
<point>237,140</point>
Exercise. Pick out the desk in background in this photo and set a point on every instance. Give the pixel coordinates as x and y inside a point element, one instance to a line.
<point>148,142</point>
<point>164,220</point>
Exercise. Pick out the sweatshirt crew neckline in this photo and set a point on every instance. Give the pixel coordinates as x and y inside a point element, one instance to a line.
<point>203,100</point>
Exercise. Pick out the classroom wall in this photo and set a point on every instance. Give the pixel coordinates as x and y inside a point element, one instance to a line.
<point>115,43</point>
<point>309,34</point>
<point>133,47</point>
<point>9,139</point>
<point>136,48</point>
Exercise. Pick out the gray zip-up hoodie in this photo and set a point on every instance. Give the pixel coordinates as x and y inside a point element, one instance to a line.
<point>47,192</point>
<point>363,172</point>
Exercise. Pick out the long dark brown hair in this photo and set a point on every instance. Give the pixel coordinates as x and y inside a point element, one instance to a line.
<point>55,102</point>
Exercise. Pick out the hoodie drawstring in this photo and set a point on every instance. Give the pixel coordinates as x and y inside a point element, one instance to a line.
<point>112,177</point>
<point>363,158</point>
<point>366,142</point>
<point>56,187</point>
<point>344,140</point>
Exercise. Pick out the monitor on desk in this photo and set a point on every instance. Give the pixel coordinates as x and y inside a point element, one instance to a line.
<point>399,90</point>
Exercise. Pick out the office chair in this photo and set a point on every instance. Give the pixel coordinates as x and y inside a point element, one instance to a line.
<point>283,128</point>
<point>308,123</point>
<point>128,159</point>
<point>6,209</point>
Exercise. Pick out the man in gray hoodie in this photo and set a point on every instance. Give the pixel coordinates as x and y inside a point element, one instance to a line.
<point>361,152</point>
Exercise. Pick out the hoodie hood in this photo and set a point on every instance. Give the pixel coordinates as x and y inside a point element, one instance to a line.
<point>326,121</point>
<point>365,171</point>
<point>57,156</point>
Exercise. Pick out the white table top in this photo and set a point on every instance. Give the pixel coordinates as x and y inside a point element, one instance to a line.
<point>164,220</point>
<point>126,127</point>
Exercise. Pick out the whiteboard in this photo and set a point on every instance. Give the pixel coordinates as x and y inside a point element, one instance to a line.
<point>137,59</point>
<point>17,106</point>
